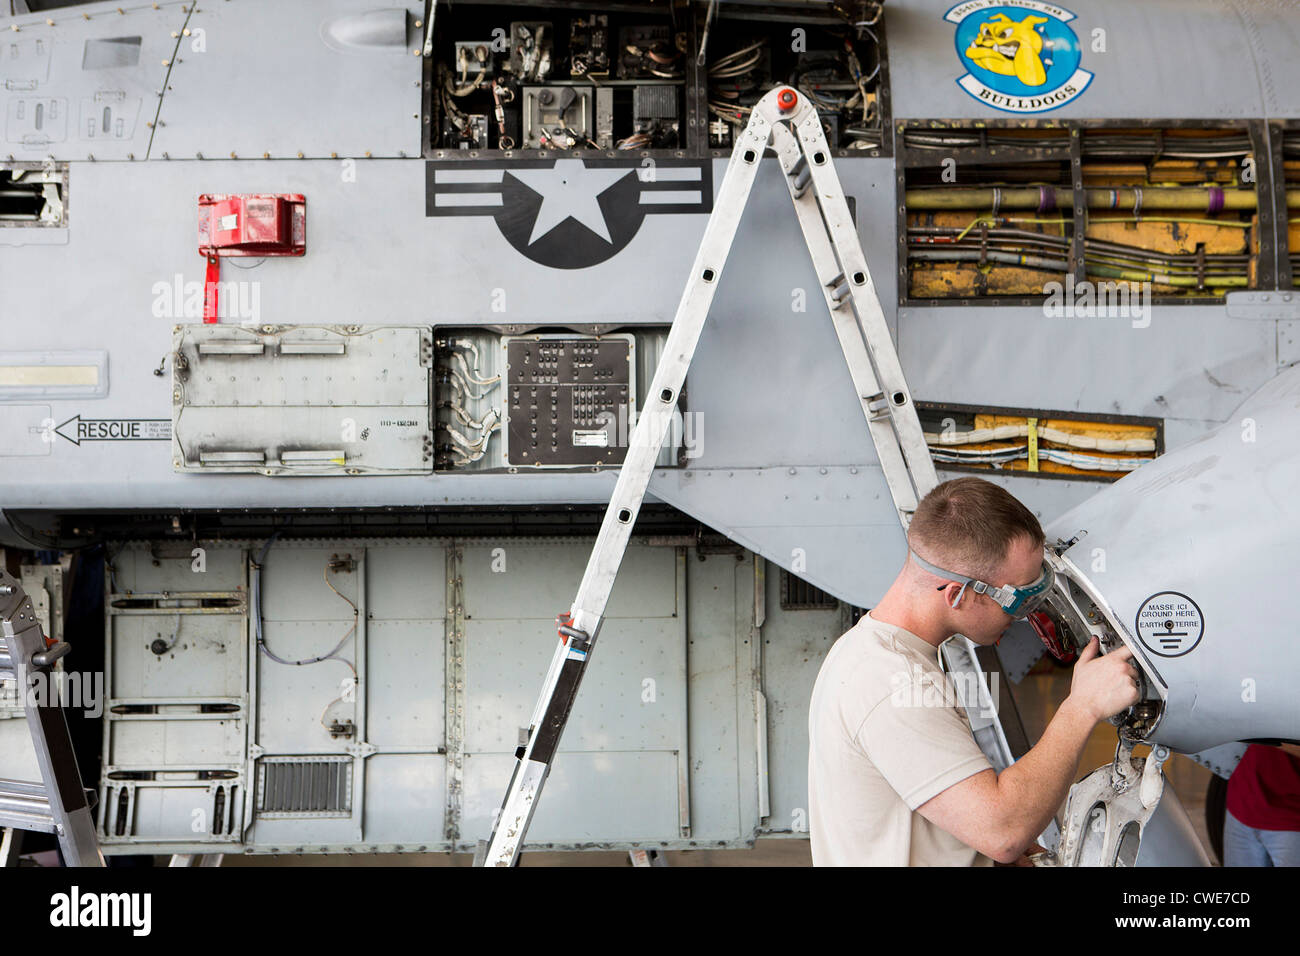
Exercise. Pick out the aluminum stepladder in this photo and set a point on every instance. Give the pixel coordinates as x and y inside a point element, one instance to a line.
<point>788,123</point>
<point>58,805</point>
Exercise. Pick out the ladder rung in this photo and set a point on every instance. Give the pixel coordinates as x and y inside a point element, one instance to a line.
<point>801,179</point>
<point>800,176</point>
<point>25,806</point>
<point>877,406</point>
<point>839,287</point>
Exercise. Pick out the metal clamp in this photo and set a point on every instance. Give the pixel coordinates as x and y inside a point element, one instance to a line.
<point>577,640</point>
<point>51,654</point>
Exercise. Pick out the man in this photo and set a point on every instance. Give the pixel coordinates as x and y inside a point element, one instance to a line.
<point>894,775</point>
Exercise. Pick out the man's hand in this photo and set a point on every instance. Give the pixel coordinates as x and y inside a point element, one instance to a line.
<point>1102,686</point>
<point>1025,857</point>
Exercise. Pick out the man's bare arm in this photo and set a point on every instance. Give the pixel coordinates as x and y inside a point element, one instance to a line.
<point>1001,814</point>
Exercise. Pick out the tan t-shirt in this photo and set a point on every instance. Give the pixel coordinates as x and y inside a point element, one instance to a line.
<point>885,735</point>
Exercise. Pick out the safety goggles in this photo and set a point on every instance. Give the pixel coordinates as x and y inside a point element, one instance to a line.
<point>1019,602</point>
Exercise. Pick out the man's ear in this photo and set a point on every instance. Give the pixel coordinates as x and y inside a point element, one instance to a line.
<point>950,592</point>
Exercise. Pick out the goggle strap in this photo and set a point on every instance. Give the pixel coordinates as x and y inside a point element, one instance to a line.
<point>1006,598</point>
<point>940,572</point>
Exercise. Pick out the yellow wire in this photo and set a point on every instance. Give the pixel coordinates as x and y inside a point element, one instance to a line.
<point>992,221</point>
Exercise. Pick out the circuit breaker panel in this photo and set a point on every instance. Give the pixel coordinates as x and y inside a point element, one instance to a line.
<point>565,397</point>
<point>302,400</point>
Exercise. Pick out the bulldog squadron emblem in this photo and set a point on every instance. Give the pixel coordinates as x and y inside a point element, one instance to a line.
<point>568,213</point>
<point>1022,57</point>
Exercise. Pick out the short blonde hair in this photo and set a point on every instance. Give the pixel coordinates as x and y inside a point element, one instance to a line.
<point>967,526</point>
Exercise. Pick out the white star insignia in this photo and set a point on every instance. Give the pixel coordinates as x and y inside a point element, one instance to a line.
<point>569,190</point>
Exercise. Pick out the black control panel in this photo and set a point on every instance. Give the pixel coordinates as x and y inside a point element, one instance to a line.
<point>568,401</point>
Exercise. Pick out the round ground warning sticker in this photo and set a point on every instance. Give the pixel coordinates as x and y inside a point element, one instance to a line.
<point>1169,624</point>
